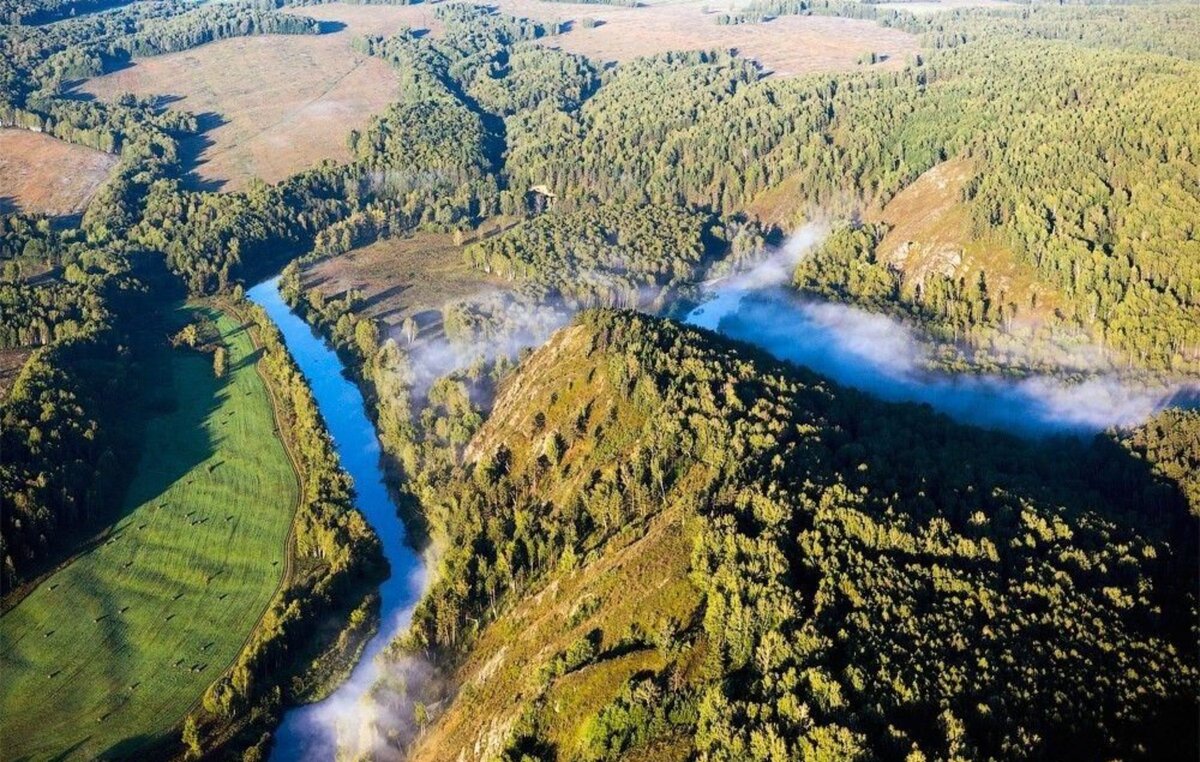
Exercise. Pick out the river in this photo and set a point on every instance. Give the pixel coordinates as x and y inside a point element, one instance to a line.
<point>855,348</point>
<point>306,732</point>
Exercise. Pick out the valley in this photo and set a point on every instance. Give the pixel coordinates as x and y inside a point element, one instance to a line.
<point>769,380</point>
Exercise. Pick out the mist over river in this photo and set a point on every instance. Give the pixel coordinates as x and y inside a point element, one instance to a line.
<point>309,732</point>
<point>866,351</point>
<point>883,357</point>
<point>877,355</point>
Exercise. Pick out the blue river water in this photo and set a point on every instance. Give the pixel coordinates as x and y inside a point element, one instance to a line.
<point>307,733</point>
<point>855,348</point>
<point>878,355</point>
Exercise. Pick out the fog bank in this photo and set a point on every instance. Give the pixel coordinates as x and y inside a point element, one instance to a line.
<point>885,358</point>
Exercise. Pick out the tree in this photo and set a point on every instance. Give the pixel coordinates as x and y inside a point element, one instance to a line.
<point>191,738</point>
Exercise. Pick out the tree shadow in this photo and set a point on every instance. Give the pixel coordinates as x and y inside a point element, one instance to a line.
<point>191,151</point>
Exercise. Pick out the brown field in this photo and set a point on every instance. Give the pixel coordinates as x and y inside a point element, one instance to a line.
<point>788,45</point>
<point>41,174</point>
<point>926,7</point>
<point>277,104</point>
<point>400,277</point>
<point>931,233</point>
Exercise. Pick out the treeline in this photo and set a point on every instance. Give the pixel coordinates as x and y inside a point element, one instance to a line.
<point>28,240</point>
<point>613,255</point>
<point>32,316</point>
<point>951,308</point>
<point>45,11</point>
<point>49,57</point>
<point>1166,29</point>
<point>704,130</point>
<point>65,462</point>
<point>60,466</point>
<point>877,581</point>
<point>337,561</point>
<point>531,75</point>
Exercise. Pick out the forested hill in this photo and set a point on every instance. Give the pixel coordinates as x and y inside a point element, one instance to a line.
<point>677,545</point>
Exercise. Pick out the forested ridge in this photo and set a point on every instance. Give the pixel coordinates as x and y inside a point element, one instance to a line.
<point>875,580</point>
<point>857,579</point>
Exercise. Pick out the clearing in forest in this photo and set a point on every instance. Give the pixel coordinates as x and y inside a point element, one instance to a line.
<point>400,277</point>
<point>271,105</point>
<point>43,175</point>
<point>930,231</point>
<point>787,45</point>
<point>107,655</point>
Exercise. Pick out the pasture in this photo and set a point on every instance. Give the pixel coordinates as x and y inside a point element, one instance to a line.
<point>273,105</point>
<point>44,175</point>
<point>107,655</point>
<point>786,46</point>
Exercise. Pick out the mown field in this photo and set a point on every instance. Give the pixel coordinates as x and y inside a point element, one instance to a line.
<point>271,105</point>
<point>787,46</point>
<point>107,654</point>
<point>43,175</point>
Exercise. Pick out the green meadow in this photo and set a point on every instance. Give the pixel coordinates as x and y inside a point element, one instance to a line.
<point>107,655</point>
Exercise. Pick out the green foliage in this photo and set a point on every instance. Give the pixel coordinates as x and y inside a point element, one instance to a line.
<point>878,580</point>
<point>156,609</point>
<point>615,255</point>
<point>533,75</point>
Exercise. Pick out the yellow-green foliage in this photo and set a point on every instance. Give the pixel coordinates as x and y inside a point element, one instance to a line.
<point>673,536</point>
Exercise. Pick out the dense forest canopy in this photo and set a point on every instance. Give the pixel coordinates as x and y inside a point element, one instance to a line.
<point>875,580</point>
<point>859,579</point>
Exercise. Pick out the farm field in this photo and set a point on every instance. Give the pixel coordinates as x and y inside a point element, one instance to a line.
<point>41,174</point>
<point>400,277</point>
<point>274,105</point>
<point>108,654</point>
<point>786,46</point>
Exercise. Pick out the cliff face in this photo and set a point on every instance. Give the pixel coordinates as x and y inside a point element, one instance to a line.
<point>665,544</point>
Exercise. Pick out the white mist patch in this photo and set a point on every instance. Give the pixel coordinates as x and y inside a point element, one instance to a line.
<point>354,720</point>
<point>521,326</point>
<point>885,358</point>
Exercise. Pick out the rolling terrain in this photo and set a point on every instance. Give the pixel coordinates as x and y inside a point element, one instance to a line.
<point>941,504</point>
<point>270,106</point>
<point>107,654</point>
<point>675,545</point>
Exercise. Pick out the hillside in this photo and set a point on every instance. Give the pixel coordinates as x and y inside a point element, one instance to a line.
<point>677,545</point>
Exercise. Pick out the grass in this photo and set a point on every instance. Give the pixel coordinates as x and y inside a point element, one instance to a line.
<point>107,655</point>
<point>40,174</point>
<point>930,232</point>
<point>271,105</point>
<point>786,46</point>
<point>638,578</point>
<point>405,276</point>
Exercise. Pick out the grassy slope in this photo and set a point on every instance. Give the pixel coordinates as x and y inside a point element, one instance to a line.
<point>183,577</point>
<point>636,579</point>
<point>642,573</point>
<point>409,276</point>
